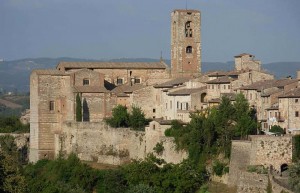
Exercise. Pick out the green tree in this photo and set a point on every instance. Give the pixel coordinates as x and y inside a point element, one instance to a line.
<point>277,129</point>
<point>78,108</point>
<point>12,179</point>
<point>224,120</point>
<point>137,120</point>
<point>294,176</point>
<point>120,117</point>
<point>245,122</point>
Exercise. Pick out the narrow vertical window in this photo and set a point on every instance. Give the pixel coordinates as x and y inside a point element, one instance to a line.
<point>51,105</point>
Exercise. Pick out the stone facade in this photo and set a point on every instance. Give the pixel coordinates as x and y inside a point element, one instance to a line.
<point>99,143</point>
<point>263,150</point>
<point>185,43</point>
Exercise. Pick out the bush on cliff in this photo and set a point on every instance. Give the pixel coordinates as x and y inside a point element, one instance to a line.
<point>121,118</point>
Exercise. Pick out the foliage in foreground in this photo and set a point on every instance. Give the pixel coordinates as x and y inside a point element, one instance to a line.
<point>12,124</point>
<point>211,132</point>
<point>121,118</point>
<point>294,176</point>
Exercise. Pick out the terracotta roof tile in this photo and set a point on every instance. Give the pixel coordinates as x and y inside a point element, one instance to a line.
<point>113,65</point>
<point>223,79</point>
<point>172,83</point>
<point>49,72</point>
<point>90,89</point>
<point>125,88</point>
<point>294,93</point>
<point>187,91</point>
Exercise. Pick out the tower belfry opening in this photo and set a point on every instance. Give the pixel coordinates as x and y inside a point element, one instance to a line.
<point>185,43</point>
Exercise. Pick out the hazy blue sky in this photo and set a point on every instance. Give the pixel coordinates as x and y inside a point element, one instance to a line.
<point>104,29</point>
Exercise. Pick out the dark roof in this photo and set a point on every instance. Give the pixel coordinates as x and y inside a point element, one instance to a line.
<point>49,72</point>
<point>113,65</point>
<point>126,88</point>
<point>223,79</point>
<point>294,93</point>
<point>268,84</point>
<point>187,10</point>
<point>172,83</point>
<point>275,106</point>
<point>231,96</point>
<point>122,95</point>
<point>270,91</point>
<point>243,54</point>
<point>216,73</point>
<point>90,89</point>
<point>259,85</point>
<point>187,91</point>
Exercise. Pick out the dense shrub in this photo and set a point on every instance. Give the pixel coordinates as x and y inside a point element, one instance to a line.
<point>12,125</point>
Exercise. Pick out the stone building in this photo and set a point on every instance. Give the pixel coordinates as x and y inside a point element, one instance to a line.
<point>102,85</point>
<point>185,43</point>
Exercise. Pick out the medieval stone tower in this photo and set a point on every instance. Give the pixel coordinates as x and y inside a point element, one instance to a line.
<point>185,43</point>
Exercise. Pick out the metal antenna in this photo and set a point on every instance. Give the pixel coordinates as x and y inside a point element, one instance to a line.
<point>185,4</point>
<point>161,58</point>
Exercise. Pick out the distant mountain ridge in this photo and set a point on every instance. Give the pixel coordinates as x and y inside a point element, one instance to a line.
<point>14,75</point>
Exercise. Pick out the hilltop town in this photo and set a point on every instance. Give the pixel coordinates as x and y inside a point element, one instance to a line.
<point>163,94</point>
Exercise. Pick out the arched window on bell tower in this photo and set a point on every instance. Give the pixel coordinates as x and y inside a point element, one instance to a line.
<point>188,29</point>
<point>189,49</point>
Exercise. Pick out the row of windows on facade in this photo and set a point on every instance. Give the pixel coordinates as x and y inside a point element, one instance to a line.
<point>278,115</point>
<point>218,86</point>
<point>180,106</point>
<point>86,82</point>
<point>133,80</point>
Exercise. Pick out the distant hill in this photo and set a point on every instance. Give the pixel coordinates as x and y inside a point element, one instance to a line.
<point>14,75</point>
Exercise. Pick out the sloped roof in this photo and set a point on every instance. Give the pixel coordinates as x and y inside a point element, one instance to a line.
<point>243,54</point>
<point>223,79</point>
<point>259,85</point>
<point>90,89</point>
<point>126,88</point>
<point>187,91</point>
<point>49,72</point>
<point>294,93</point>
<point>268,84</point>
<point>113,65</point>
<point>172,83</point>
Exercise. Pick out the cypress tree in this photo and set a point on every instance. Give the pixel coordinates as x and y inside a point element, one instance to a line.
<point>78,108</point>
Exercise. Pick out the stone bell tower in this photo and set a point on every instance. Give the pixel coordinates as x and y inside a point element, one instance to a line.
<point>185,43</point>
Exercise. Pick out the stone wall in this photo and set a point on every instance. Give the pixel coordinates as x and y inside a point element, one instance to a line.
<point>21,140</point>
<point>239,160</point>
<point>271,150</point>
<point>103,144</point>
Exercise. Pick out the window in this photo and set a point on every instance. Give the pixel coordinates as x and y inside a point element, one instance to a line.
<point>228,86</point>
<point>51,105</point>
<point>296,113</point>
<point>119,80</point>
<point>224,86</point>
<point>153,110</point>
<point>188,29</point>
<point>170,104</point>
<point>166,105</point>
<point>212,87</point>
<point>265,125</point>
<point>153,126</point>
<point>177,104</point>
<point>189,49</point>
<point>296,100</point>
<point>137,81</point>
<point>86,82</point>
